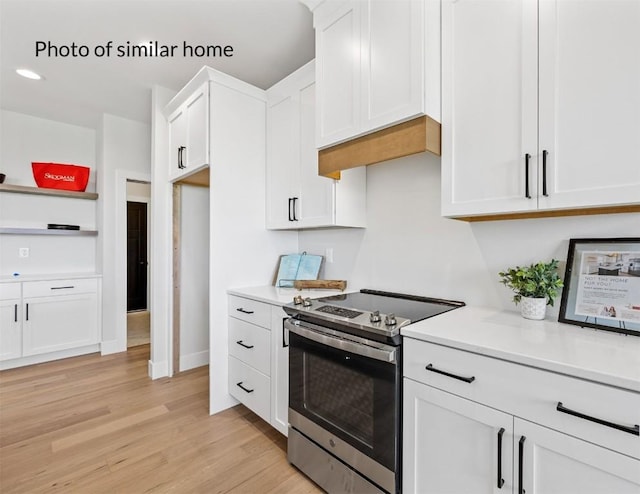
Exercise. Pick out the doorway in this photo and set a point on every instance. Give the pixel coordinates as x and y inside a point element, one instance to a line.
<point>138,315</point>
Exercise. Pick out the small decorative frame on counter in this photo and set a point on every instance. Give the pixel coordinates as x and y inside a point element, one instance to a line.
<point>602,284</point>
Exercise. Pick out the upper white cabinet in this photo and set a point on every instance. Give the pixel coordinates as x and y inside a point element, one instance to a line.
<point>296,196</point>
<point>189,134</point>
<point>540,105</point>
<point>378,64</point>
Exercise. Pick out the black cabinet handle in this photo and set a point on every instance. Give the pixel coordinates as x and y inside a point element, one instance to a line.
<point>27,312</point>
<point>527,157</point>
<point>180,151</point>
<point>243,388</point>
<point>62,287</point>
<point>284,343</point>
<point>240,309</point>
<point>500,479</point>
<point>431,368</point>
<point>290,200</point>
<point>15,312</point>
<point>520,464</point>
<point>544,172</point>
<point>239,342</point>
<point>294,209</point>
<point>630,429</point>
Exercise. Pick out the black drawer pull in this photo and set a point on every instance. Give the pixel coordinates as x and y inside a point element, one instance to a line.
<point>239,342</point>
<point>243,388</point>
<point>244,311</point>
<point>521,464</point>
<point>62,287</point>
<point>500,479</point>
<point>630,429</point>
<point>431,368</point>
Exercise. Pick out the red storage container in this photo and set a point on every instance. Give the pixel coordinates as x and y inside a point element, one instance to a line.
<point>61,176</point>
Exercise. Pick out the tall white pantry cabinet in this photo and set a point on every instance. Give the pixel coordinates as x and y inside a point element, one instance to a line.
<point>540,105</point>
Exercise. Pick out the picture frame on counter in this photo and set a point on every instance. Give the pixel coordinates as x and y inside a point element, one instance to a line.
<point>602,284</point>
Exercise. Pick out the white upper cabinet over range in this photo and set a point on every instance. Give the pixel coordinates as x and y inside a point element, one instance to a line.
<point>297,197</point>
<point>540,105</point>
<point>377,64</point>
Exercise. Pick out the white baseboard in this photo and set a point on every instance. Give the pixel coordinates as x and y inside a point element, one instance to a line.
<point>46,357</point>
<point>110,346</point>
<point>194,360</point>
<point>158,369</point>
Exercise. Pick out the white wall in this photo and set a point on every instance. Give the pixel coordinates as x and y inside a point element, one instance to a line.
<point>408,247</point>
<point>124,150</point>
<point>25,139</point>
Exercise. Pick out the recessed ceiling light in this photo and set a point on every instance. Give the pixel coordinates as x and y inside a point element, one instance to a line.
<point>29,74</point>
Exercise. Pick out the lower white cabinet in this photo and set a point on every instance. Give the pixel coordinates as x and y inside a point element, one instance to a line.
<point>10,321</point>
<point>472,423</point>
<point>279,370</point>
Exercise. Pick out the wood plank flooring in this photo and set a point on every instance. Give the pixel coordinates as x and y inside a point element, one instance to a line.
<point>95,424</point>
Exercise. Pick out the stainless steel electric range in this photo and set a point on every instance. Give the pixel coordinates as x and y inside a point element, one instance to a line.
<point>345,385</point>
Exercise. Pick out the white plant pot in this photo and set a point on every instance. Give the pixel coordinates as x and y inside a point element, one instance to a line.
<point>533,308</point>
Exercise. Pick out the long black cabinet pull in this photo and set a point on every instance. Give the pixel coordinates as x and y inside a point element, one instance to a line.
<point>62,287</point>
<point>290,201</point>
<point>431,368</point>
<point>630,429</point>
<point>284,343</point>
<point>544,172</point>
<point>239,342</point>
<point>527,157</point>
<point>294,209</point>
<point>243,388</point>
<point>15,312</point>
<point>520,464</point>
<point>240,309</point>
<point>27,312</point>
<point>500,479</point>
<point>180,155</point>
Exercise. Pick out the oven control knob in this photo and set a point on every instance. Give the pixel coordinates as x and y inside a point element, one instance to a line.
<point>306,302</point>
<point>375,316</point>
<point>297,300</point>
<point>390,320</point>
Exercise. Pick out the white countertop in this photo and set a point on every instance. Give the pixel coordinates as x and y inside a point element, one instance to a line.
<point>47,277</point>
<point>279,296</point>
<point>601,356</point>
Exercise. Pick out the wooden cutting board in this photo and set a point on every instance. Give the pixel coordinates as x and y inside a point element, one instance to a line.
<point>321,284</point>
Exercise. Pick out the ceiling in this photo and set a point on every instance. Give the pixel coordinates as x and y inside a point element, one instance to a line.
<point>270,39</point>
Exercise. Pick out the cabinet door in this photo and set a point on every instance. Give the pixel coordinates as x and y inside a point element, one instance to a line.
<point>10,329</point>
<point>58,323</point>
<point>197,108</point>
<point>338,71</point>
<point>177,140</point>
<point>552,462</point>
<point>590,101</point>
<point>489,106</point>
<point>393,59</point>
<point>279,370</point>
<point>283,145</point>
<point>454,445</point>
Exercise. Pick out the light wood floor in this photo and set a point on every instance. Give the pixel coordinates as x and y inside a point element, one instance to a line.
<point>138,328</point>
<point>95,424</point>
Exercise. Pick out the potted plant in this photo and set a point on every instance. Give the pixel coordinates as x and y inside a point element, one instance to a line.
<point>535,286</point>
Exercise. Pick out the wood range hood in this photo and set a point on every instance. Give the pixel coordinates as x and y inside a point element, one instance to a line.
<point>414,136</point>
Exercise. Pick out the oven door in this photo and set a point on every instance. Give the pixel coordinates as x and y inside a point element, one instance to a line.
<point>350,389</point>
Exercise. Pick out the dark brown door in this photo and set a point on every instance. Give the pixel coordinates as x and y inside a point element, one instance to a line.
<point>136,256</point>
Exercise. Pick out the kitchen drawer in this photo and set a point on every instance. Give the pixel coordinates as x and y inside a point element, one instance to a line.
<point>256,394</point>
<point>250,344</point>
<point>51,288</point>
<point>530,393</point>
<point>9,291</point>
<point>249,310</point>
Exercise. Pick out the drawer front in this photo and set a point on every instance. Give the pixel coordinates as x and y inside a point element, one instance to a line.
<point>249,310</point>
<point>530,393</point>
<point>51,288</point>
<point>250,344</point>
<point>256,393</point>
<point>9,291</point>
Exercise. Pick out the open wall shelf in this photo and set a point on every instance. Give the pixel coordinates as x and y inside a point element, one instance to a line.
<point>24,189</point>
<point>46,231</point>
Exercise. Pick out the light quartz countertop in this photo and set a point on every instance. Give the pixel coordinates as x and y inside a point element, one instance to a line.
<point>47,277</point>
<point>600,356</point>
<point>279,296</point>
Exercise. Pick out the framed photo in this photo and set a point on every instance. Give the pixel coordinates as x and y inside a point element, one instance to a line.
<point>602,284</point>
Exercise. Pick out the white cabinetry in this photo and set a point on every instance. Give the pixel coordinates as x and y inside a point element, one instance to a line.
<point>535,134</point>
<point>10,321</point>
<point>279,370</point>
<point>189,134</point>
<point>517,420</point>
<point>297,197</point>
<point>371,57</point>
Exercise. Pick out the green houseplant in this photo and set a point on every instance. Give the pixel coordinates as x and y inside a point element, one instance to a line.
<point>535,286</point>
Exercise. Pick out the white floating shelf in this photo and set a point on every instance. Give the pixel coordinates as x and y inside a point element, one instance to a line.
<point>24,189</point>
<point>46,231</point>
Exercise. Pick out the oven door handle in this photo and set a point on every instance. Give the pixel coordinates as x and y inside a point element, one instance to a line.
<point>345,345</point>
